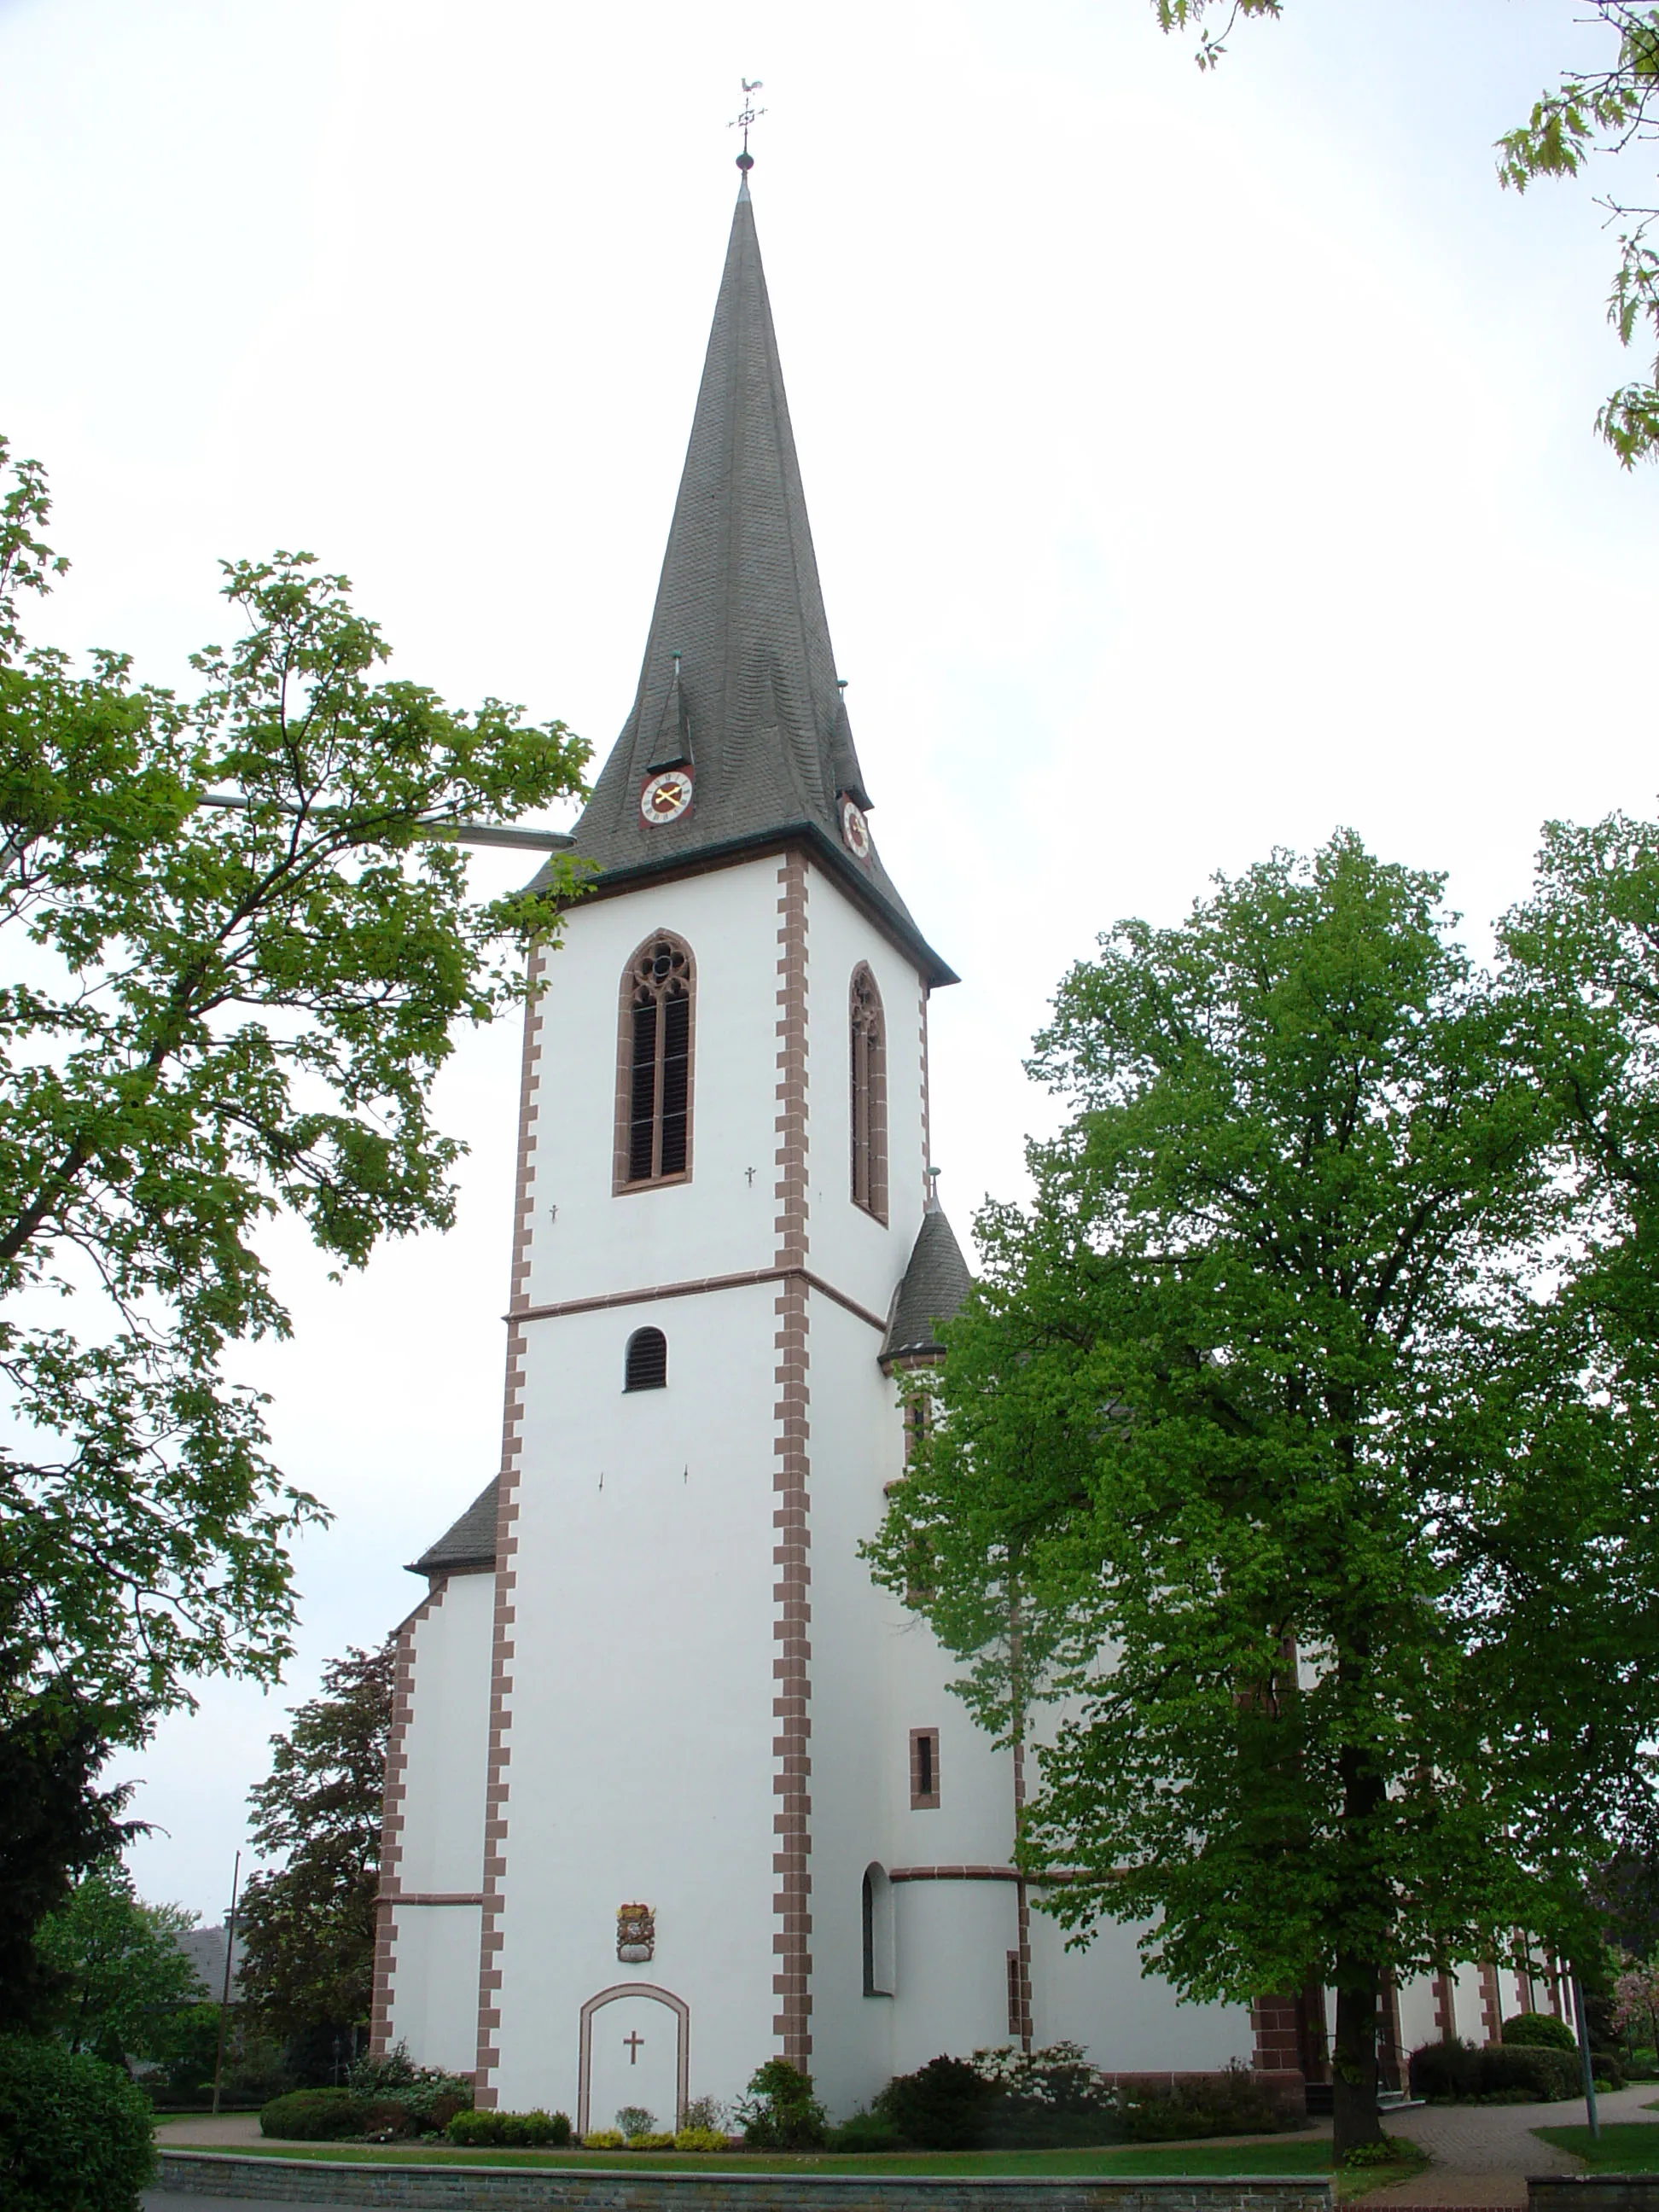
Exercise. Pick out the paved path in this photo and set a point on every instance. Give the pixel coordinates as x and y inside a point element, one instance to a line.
<point>201,2131</point>
<point>1483,2154</point>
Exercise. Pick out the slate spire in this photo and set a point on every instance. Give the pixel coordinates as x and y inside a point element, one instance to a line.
<point>739,688</point>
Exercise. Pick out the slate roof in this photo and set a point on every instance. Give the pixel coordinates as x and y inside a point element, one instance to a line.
<point>205,1949</point>
<point>468,1547</point>
<point>752,705</point>
<point>935,1285</point>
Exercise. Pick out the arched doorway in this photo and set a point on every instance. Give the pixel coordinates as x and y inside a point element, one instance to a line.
<point>643,2065</point>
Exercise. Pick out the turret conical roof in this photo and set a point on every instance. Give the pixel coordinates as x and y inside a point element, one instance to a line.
<point>739,684</point>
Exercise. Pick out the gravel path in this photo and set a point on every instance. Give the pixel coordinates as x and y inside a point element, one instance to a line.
<point>201,2131</point>
<point>1483,2154</point>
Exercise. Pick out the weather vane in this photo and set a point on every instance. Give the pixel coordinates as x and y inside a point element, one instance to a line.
<point>750,114</point>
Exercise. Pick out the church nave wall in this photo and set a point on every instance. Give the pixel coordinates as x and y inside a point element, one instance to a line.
<point>445,1741</point>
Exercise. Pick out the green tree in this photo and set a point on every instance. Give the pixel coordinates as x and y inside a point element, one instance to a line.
<point>1254,1463</point>
<point>54,1823</point>
<point>121,1975</point>
<point>213,1014</point>
<point>1590,115</point>
<point>308,1926</point>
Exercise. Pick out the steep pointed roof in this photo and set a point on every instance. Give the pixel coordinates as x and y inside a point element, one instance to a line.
<point>934,1288</point>
<point>738,681</point>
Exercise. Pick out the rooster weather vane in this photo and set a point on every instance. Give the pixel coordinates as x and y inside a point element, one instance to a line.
<point>750,114</point>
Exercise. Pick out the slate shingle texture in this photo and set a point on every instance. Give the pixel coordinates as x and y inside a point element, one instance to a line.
<point>935,1284</point>
<point>469,1546</point>
<point>753,705</point>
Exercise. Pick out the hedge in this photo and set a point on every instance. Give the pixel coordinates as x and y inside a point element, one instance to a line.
<point>513,2129</point>
<point>315,2116</point>
<point>73,2131</point>
<point>1447,2071</point>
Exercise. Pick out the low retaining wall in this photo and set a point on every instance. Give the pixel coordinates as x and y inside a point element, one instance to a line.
<point>1593,2192</point>
<point>518,2188</point>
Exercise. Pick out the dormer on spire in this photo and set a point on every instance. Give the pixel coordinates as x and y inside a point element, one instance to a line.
<point>673,745</point>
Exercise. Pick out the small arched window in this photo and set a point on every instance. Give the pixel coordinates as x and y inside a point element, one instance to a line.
<point>869,1095</point>
<point>653,1075</point>
<point>877,1918</point>
<point>646,1364</point>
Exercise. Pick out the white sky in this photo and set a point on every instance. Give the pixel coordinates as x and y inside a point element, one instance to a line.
<point>1194,464</point>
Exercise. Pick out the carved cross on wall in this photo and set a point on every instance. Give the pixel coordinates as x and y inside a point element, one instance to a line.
<point>636,2044</point>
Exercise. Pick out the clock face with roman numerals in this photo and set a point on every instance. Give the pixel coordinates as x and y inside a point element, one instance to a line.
<point>665,797</point>
<point>854,828</point>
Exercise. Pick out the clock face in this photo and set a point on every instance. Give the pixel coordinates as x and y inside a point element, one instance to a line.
<point>665,797</point>
<point>854,828</point>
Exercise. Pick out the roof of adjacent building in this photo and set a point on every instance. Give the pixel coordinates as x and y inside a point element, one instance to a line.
<point>933,1290</point>
<point>468,1546</point>
<point>738,682</point>
<point>205,1949</point>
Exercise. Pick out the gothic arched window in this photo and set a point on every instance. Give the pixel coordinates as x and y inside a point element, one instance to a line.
<point>646,1367</point>
<point>653,1075</point>
<point>869,1100</point>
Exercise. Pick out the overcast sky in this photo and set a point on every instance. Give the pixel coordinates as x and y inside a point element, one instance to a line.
<point>1194,464</point>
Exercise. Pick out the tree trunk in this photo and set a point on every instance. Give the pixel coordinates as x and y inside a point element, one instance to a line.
<point>1353,2071</point>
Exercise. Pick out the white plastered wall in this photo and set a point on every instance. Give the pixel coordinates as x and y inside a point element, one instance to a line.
<point>641,1703</point>
<point>434,1979</point>
<point>719,1222</point>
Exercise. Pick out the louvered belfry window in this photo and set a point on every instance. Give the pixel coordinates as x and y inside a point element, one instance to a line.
<point>869,1097</point>
<point>655,1139</point>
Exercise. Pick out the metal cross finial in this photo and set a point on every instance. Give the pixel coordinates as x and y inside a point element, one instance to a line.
<point>750,114</point>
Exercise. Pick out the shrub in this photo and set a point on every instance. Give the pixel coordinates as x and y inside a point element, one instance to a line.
<point>314,2116</point>
<point>1538,2029</point>
<point>406,2099</point>
<point>384,2121</point>
<point>700,2139</point>
<point>508,2131</point>
<point>708,2113</point>
<point>1546,2074</point>
<point>73,2131</point>
<point>1384,2152</point>
<point>945,2104</point>
<point>1443,2072</point>
<point>605,2139</point>
<point>1606,2066</point>
<point>650,2141</point>
<point>864,2131</point>
<point>1232,2102</point>
<point>1058,2078</point>
<point>635,2120</point>
<point>781,2112</point>
<point>1513,2073</point>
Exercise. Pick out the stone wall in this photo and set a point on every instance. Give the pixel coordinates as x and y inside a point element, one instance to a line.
<point>509,2188</point>
<point>1594,2193</point>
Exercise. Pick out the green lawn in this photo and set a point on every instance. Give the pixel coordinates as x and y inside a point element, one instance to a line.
<point>1624,2147</point>
<point>1292,2155</point>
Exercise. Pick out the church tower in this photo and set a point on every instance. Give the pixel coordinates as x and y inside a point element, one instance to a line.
<point>674,1789</point>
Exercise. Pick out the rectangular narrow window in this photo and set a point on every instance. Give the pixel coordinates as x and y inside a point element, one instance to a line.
<point>867,1096</point>
<point>676,1083</point>
<point>924,1770</point>
<point>642,1116</point>
<point>1016,1997</point>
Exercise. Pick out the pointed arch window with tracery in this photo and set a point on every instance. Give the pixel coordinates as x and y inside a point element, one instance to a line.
<point>869,1095</point>
<point>654,1064</point>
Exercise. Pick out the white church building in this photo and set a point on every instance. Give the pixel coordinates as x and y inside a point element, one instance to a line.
<point>674,1788</point>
